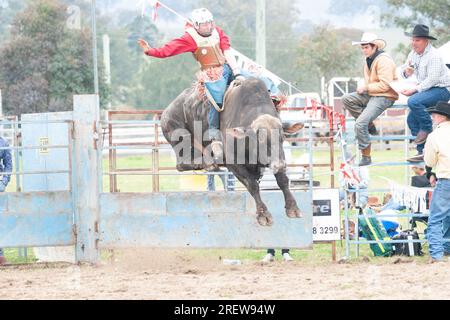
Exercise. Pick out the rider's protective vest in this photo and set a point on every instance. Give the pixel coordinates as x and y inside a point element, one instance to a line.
<point>208,53</point>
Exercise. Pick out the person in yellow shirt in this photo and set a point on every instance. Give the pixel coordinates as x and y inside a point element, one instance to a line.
<point>437,155</point>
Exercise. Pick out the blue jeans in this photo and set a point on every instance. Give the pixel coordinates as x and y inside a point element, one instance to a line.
<point>439,220</point>
<point>1,252</point>
<point>365,109</point>
<point>217,89</point>
<point>228,181</point>
<point>418,118</point>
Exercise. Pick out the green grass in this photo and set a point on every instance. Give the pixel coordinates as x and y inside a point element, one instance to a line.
<point>18,256</point>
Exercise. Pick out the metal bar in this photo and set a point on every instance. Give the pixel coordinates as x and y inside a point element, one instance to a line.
<point>388,241</point>
<point>391,138</point>
<point>143,123</point>
<point>346,226</point>
<point>87,196</point>
<point>397,215</point>
<point>386,164</point>
<point>382,190</point>
<point>311,160</point>
<point>114,158</point>
<point>149,173</point>
<point>34,122</point>
<point>94,46</point>
<point>156,152</point>
<point>36,172</point>
<point>35,147</point>
<point>98,148</point>
<point>16,156</point>
<point>135,112</point>
<point>110,140</point>
<point>70,151</point>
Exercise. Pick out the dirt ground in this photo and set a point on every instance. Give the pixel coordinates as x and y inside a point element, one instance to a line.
<point>168,274</point>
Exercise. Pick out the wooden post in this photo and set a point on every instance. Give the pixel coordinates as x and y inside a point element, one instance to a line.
<point>85,188</point>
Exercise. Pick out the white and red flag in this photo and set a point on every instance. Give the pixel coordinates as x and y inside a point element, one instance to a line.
<point>155,6</point>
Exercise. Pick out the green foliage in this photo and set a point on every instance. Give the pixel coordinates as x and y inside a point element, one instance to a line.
<point>327,52</point>
<point>44,63</point>
<point>435,14</point>
<point>144,82</point>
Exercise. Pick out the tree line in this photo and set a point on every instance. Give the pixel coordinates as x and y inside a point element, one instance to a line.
<point>44,60</point>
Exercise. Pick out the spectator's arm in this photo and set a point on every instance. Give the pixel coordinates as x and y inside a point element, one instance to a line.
<point>430,172</point>
<point>404,66</point>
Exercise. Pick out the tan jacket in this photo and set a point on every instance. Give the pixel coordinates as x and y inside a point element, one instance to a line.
<point>382,72</point>
<point>437,150</point>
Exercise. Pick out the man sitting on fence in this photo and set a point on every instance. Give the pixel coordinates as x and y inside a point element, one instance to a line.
<point>5,166</point>
<point>375,96</point>
<point>434,85</point>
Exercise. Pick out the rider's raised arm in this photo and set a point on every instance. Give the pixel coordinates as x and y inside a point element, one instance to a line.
<point>174,47</point>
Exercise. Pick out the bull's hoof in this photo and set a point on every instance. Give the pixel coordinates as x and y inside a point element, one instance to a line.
<point>265,220</point>
<point>294,213</point>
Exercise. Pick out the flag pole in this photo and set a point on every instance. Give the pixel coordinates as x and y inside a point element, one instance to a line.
<point>173,11</point>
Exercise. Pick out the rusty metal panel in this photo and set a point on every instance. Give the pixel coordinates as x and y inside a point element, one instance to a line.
<point>201,220</point>
<point>36,219</point>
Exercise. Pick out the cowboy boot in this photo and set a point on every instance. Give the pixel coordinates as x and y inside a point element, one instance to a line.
<point>366,159</point>
<point>372,129</point>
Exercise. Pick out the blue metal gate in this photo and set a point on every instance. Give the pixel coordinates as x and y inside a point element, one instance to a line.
<point>92,220</point>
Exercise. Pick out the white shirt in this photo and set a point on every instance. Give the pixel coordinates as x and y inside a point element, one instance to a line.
<point>429,68</point>
<point>437,150</point>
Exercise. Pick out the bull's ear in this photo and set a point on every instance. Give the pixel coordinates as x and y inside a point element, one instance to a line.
<point>289,128</point>
<point>237,133</point>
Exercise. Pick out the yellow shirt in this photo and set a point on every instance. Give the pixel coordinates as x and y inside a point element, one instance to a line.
<point>437,150</point>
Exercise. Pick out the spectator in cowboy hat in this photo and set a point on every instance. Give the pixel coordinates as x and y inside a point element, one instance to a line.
<point>420,179</point>
<point>433,78</point>
<point>375,96</point>
<point>437,154</point>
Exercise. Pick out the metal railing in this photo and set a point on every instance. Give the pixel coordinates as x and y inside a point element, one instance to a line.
<point>348,216</point>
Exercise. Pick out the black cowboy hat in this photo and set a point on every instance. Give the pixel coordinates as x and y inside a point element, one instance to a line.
<point>441,107</point>
<point>421,31</point>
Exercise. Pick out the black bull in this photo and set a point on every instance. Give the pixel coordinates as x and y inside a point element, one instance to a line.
<point>252,133</point>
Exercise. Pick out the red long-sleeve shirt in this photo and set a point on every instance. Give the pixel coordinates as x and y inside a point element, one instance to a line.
<point>185,44</point>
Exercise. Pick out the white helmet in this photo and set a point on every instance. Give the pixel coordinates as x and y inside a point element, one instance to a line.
<point>200,16</point>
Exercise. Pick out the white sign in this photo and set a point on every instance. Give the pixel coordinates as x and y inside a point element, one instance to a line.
<point>43,143</point>
<point>326,215</point>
